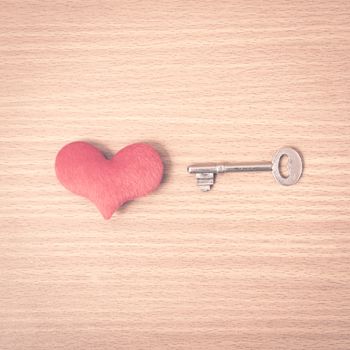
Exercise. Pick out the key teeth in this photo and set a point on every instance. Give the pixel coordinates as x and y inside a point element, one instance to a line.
<point>205,181</point>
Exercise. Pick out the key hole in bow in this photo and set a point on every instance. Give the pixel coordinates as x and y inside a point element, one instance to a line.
<point>283,166</point>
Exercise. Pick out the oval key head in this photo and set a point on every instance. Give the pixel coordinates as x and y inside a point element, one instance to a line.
<point>295,166</point>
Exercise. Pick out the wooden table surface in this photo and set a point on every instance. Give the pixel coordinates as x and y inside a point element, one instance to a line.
<point>249,265</point>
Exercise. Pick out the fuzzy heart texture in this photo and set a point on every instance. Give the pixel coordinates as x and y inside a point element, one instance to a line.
<point>134,171</point>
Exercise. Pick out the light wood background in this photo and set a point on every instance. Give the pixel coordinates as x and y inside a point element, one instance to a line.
<point>250,265</point>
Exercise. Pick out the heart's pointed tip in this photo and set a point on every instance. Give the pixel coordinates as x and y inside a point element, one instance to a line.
<point>107,213</point>
<point>107,217</point>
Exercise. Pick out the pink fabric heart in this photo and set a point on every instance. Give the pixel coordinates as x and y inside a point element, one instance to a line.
<point>134,171</point>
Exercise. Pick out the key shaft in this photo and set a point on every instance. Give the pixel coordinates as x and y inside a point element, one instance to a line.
<point>236,168</point>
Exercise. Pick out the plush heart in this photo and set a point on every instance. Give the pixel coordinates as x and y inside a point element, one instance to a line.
<point>134,171</point>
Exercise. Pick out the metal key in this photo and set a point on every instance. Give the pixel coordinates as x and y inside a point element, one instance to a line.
<point>206,174</point>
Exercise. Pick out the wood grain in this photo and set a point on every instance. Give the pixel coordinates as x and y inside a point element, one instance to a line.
<point>250,265</point>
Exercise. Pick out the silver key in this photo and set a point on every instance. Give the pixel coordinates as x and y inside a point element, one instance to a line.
<point>205,175</point>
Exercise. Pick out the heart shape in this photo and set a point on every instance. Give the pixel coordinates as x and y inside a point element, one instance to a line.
<point>134,171</point>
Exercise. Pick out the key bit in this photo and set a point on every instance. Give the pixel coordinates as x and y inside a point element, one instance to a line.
<point>205,175</point>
